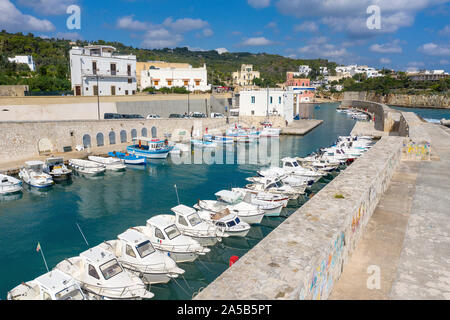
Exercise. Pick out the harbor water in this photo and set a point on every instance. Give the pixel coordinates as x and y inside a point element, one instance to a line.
<point>106,206</point>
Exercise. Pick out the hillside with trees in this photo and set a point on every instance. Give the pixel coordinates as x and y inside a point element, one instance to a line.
<point>52,62</point>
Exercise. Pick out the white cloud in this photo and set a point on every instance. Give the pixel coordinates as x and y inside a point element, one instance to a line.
<point>320,48</point>
<point>221,50</point>
<point>390,47</point>
<point>257,41</point>
<point>185,24</point>
<point>258,4</point>
<point>350,16</point>
<point>445,31</point>
<point>48,7</point>
<point>385,61</point>
<point>160,38</point>
<point>128,23</point>
<point>208,32</point>
<point>272,25</point>
<point>433,49</point>
<point>12,20</point>
<point>444,61</point>
<point>307,26</point>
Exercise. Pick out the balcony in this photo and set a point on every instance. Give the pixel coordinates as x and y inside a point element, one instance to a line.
<point>108,74</point>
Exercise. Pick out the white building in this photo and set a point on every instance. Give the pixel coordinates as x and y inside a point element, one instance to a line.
<point>193,79</point>
<point>274,101</point>
<point>115,74</point>
<point>28,60</point>
<point>351,70</point>
<point>304,69</point>
<point>246,76</point>
<point>324,71</point>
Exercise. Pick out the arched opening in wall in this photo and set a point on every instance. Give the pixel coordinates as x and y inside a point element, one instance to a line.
<point>100,140</point>
<point>112,137</point>
<point>123,136</point>
<point>154,132</point>
<point>144,132</point>
<point>133,133</point>
<point>87,141</point>
<point>45,146</point>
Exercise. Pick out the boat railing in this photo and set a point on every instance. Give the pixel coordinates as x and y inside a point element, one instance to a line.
<point>135,290</point>
<point>147,268</point>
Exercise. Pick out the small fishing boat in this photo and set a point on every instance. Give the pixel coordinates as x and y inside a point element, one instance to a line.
<point>190,224</point>
<point>265,196</point>
<point>203,143</point>
<point>290,165</point>
<point>179,148</point>
<point>276,186</point>
<point>86,167</point>
<point>128,158</point>
<point>271,208</point>
<point>110,163</point>
<point>246,139</point>
<point>137,255</point>
<point>54,285</point>
<point>233,201</point>
<point>150,148</point>
<point>166,237</point>
<point>9,185</point>
<point>287,177</point>
<point>227,222</point>
<point>102,277</point>
<point>57,169</point>
<point>222,140</point>
<point>33,174</point>
<point>269,132</point>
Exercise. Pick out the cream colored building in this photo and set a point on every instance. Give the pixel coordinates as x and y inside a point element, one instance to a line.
<point>141,66</point>
<point>246,76</point>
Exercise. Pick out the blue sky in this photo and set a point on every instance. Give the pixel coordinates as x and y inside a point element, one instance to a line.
<point>412,34</point>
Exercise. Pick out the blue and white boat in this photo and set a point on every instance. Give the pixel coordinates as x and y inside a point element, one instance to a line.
<point>150,148</point>
<point>223,140</point>
<point>128,158</point>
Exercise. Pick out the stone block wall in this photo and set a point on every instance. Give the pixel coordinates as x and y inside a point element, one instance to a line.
<point>305,256</point>
<point>23,140</point>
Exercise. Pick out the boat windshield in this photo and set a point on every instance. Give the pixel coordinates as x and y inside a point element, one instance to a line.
<point>172,232</point>
<point>279,184</point>
<point>231,223</point>
<point>237,220</point>
<point>194,219</point>
<point>110,269</point>
<point>145,249</point>
<point>71,293</point>
<point>295,163</point>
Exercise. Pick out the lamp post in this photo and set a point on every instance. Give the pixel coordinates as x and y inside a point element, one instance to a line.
<point>189,102</point>
<point>98,97</point>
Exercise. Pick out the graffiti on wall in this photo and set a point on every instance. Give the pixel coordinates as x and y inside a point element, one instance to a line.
<point>417,151</point>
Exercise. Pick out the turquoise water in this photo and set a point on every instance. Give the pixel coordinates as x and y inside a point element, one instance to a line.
<point>106,206</point>
<point>425,113</point>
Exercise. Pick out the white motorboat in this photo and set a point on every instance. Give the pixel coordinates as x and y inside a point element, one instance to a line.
<point>137,255</point>
<point>233,201</point>
<point>266,196</point>
<point>203,143</point>
<point>276,186</point>
<point>271,208</point>
<point>112,164</point>
<point>227,222</point>
<point>54,285</point>
<point>101,276</point>
<point>270,132</point>
<point>57,169</point>
<point>166,237</point>
<point>87,167</point>
<point>9,185</point>
<point>190,224</point>
<point>290,165</point>
<point>33,174</point>
<point>324,165</point>
<point>287,177</point>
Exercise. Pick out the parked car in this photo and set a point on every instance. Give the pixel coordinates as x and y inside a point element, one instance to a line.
<point>132,116</point>
<point>198,115</point>
<point>112,116</point>
<point>176,115</point>
<point>217,115</point>
<point>153,116</point>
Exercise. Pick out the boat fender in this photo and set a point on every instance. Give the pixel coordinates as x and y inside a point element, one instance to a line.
<point>233,260</point>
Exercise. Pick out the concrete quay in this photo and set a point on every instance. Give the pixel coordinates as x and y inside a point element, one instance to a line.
<point>301,127</point>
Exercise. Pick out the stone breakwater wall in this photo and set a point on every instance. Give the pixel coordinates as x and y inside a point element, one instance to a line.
<point>386,119</point>
<point>305,256</point>
<point>23,140</point>
<point>441,101</point>
<point>255,121</point>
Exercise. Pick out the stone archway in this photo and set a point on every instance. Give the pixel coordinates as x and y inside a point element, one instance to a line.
<point>100,140</point>
<point>154,132</point>
<point>112,137</point>
<point>45,146</point>
<point>87,141</point>
<point>123,136</point>
<point>144,132</point>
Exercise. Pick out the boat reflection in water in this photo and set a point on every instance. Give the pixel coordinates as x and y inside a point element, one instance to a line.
<point>11,197</point>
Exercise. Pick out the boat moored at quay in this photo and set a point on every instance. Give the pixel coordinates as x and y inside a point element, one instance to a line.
<point>9,185</point>
<point>150,148</point>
